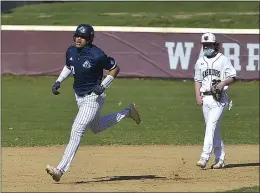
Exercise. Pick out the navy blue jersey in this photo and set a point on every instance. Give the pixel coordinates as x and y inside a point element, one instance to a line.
<point>87,65</point>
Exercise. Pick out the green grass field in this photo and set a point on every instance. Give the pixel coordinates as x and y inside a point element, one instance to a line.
<point>32,116</point>
<point>158,14</point>
<point>247,189</point>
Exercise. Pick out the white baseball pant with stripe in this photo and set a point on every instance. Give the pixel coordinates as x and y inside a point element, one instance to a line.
<point>88,117</point>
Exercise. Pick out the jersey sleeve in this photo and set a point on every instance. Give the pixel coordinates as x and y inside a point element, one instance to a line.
<point>197,73</point>
<point>229,70</point>
<point>108,63</point>
<point>68,62</point>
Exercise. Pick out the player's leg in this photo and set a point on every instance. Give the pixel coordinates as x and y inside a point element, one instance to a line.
<point>70,150</point>
<point>101,123</point>
<point>88,108</point>
<point>214,115</point>
<point>218,146</point>
<point>205,109</point>
<point>78,129</point>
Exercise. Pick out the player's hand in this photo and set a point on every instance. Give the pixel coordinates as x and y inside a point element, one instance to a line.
<point>220,85</point>
<point>55,88</point>
<point>199,100</point>
<point>99,89</point>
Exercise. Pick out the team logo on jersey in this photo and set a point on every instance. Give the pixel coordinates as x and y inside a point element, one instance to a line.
<point>212,72</point>
<point>71,58</point>
<point>86,64</point>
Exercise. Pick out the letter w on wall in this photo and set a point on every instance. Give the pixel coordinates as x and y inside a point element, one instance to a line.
<point>179,54</point>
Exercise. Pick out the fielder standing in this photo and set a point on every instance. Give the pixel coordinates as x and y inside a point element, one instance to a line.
<point>86,62</point>
<point>213,74</point>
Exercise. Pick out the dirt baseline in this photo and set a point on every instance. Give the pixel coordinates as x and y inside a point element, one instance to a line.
<point>128,169</point>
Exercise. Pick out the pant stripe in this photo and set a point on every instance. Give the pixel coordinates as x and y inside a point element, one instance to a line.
<point>88,117</point>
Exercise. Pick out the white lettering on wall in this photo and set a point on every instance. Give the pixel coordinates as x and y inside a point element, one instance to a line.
<point>252,57</point>
<point>179,53</point>
<point>233,57</point>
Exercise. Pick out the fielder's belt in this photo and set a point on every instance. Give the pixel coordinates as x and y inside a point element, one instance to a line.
<point>217,94</point>
<point>207,93</point>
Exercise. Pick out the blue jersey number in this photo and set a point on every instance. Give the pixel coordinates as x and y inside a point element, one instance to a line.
<point>72,69</point>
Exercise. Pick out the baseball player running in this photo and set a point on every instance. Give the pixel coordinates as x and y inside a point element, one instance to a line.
<point>213,74</point>
<point>86,62</point>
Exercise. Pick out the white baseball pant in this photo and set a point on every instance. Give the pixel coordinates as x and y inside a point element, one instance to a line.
<point>88,117</point>
<point>213,111</point>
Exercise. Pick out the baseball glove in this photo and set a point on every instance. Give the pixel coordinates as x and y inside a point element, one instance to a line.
<point>216,93</point>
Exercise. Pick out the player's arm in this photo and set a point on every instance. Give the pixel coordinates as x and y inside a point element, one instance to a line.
<point>66,71</point>
<point>113,70</point>
<point>229,81</point>
<point>107,63</point>
<point>63,75</point>
<point>230,75</point>
<point>197,84</point>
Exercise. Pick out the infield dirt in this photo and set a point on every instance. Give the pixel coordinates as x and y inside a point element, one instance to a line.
<point>128,168</point>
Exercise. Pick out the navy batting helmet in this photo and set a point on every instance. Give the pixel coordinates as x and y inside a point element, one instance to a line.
<point>85,31</point>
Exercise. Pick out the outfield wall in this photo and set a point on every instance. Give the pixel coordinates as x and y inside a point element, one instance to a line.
<point>140,52</point>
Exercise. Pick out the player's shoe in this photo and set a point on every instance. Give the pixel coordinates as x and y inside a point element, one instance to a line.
<point>218,165</point>
<point>54,172</point>
<point>201,163</point>
<point>133,113</point>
